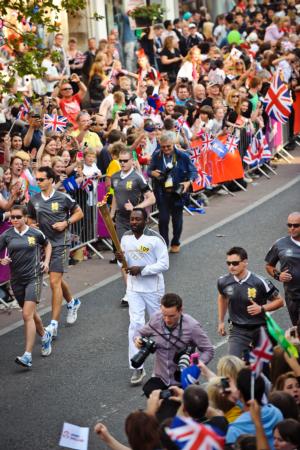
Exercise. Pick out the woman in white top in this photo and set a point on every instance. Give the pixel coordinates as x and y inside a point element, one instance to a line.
<point>190,68</point>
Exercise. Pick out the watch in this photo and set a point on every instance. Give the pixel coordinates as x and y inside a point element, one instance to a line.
<point>69,222</point>
<point>276,275</point>
<point>262,309</point>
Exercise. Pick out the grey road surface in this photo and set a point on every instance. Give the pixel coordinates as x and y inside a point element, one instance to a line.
<point>86,379</point>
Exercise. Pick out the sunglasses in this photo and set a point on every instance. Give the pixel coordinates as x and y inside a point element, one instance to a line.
<point>67,89</point>
<point>16,217</point>
<point>293,225</point>
<point>123,161</point>
<point>233,263</point>
<point>41,179</point>
<point>235,96</point>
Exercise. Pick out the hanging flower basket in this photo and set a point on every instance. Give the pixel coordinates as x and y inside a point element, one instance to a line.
<point>146,16</point>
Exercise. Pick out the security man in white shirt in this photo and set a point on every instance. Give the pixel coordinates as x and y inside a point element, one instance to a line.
<point>147,257</point>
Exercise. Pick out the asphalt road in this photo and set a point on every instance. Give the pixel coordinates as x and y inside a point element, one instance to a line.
<point>87,378</point>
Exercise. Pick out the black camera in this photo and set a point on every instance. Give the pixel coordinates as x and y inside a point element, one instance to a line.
<point>165,174</point>
<point>182,359</point>
<point>148,346</point>
<point>165,394</point>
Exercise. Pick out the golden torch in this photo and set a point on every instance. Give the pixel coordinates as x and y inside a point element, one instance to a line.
<point>104,211</point>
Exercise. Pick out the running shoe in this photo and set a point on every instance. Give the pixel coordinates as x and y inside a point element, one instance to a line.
<point>25,361</point>
<point>137,376</point>
<point>52,329</point>
<point>72,311</point>
<point>46,344</point>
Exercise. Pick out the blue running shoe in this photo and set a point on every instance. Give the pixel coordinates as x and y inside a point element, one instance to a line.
<point>72,311</point>
<point>25,361</point>
<point>46,344</point>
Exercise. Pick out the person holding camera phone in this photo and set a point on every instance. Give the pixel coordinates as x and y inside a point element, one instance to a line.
<point>170,334</point>
<point>147,258</point>
<point>173,173</point>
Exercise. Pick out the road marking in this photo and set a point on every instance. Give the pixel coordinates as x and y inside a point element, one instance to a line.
<point>220,343</point>
<point>208,230</point>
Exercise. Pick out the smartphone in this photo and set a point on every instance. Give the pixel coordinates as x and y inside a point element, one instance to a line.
<point>34,160</point>
<point>225,384</point>
<point>80,155</point>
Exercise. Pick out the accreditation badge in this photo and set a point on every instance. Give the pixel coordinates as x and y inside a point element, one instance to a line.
<point>169,182</point>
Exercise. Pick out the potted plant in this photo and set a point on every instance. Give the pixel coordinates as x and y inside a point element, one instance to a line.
<point>145,16</point>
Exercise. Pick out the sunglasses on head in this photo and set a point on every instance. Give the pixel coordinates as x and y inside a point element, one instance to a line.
<point>293,225</point>
<point>233,263</point>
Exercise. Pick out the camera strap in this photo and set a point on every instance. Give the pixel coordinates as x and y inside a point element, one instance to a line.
<point>171,335</point>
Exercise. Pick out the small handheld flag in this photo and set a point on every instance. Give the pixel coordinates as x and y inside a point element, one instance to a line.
<point>55,123</point>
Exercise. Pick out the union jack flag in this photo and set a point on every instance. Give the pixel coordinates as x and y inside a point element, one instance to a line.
<point>148,110</point>
<point>55,123</point>
<point>179,123</point>
<point>251,156</point>
<point>203,180</point>
<point>207,140</point>
<point>24,109</point>
<point>262,353</point>
<point>195,153</point>
<point>232,143</point>
<point>87,185</point>
<point>278,100</point>
<point>190,435</point>
<point>262,146</point>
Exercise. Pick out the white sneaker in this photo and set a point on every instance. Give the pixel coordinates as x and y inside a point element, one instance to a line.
<point>72,311</point>
<point>137,376</point>
<point>46,345</point>
<point>52,330</point>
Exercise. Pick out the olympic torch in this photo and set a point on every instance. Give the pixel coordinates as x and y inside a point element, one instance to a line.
<point>104,211</point>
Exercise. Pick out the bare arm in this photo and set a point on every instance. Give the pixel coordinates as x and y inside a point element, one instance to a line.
<point>222,310</point>
<point>28,136</point>
<point>109,440</point>
<point>76,216</point>
<point>149,200</point>
<point>113,207</point>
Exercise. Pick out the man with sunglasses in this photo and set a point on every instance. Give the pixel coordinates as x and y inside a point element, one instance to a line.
<point>286,251</point>
<point>54,212</point>
<point>246,296</point>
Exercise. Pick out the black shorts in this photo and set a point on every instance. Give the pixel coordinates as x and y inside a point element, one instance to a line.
<point>27,291</point>
<point>59,259</point>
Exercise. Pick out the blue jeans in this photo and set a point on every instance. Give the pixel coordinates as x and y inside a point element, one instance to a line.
<point>170,206</point>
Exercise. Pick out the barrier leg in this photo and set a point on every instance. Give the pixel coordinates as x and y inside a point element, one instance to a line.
<point>263,172</point>
<point>89,245</point>
<point>227,190</point>
<point>270,169</point>
<point>188,211</point>
<point>151,216</point>
<point>240,185</point>
<point>108,245</point>
<point>194,201</point>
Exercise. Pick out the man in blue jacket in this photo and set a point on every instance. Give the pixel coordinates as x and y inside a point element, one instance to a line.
<point>270,415</point>
<point>173,173</point>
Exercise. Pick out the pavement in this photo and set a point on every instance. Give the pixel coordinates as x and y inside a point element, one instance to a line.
<point>86,378</point>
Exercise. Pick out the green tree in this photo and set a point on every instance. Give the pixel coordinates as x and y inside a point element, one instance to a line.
<point>25,45</point>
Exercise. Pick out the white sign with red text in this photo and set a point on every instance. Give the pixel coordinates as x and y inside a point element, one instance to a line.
<point>74,437</point>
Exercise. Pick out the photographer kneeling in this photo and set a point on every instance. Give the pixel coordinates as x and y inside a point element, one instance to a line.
<point>173,336</point>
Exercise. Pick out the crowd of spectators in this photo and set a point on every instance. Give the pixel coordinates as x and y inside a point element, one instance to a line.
<point>191,76</point>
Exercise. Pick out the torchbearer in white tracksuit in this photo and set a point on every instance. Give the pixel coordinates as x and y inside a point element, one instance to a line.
<point>147,257</point>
